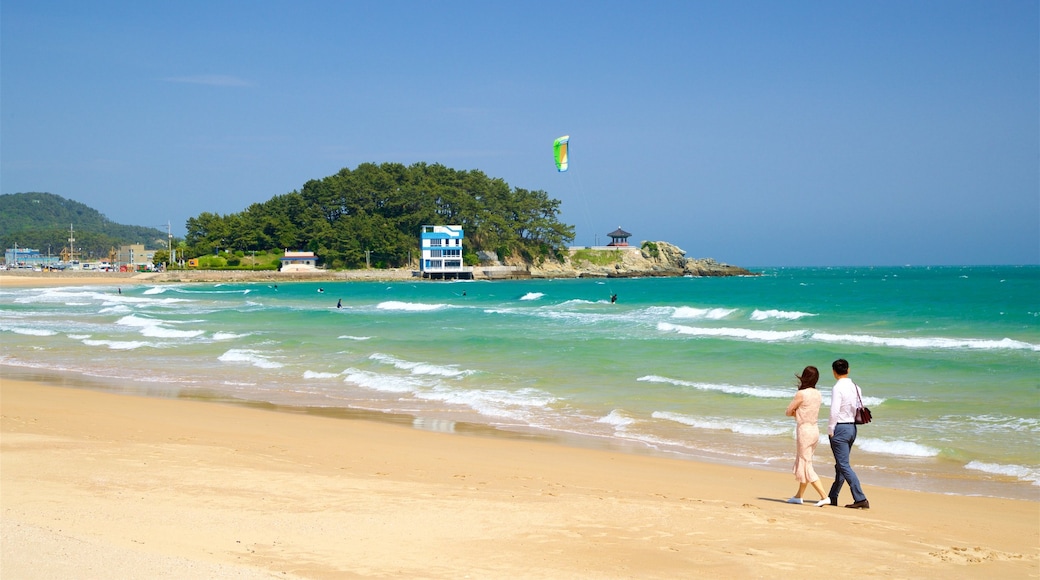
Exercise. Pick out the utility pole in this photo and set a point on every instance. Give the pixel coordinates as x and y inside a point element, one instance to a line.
<point>169,244</point>
<point>72,246</point>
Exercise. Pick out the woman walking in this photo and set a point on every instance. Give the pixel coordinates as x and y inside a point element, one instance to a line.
<point>805,408</point>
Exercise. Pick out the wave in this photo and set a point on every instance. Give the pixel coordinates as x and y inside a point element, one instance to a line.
<point>532,296</point>
<point>702,313</point>
<point>794,335</point>
<point>1019,471</point>
<point>902,448</point>
<point>249,356</point>
<point>381,382</point>
<point>741,427</point>
<point>491,402</point>
<point>421,368</point>
<point>996,424</point>
<point>580,302</point>
<point>27,331</point>
<point>762,392</point>
<point>349,337</point>
<point>742,333</point>
<point>229,335</point>
<point>153,328</point>
<point>319,375</point>
<point>781,314</point>
<point>117,344</point>
<point>617,419</point>
<point>927,342</point>
<point>409,306</point>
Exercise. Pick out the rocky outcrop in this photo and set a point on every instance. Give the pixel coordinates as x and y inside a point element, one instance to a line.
<point>650,259</point>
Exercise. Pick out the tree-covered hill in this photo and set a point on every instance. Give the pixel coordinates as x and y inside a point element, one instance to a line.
<point>42,220</point>
<point>379,209</point>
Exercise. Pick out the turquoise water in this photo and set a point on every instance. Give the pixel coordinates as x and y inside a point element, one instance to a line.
<point>948,359</point>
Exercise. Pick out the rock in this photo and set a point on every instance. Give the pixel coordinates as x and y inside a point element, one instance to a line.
<point>649,259</point>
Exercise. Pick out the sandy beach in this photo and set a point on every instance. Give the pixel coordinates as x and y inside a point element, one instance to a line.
<point>102,485</point>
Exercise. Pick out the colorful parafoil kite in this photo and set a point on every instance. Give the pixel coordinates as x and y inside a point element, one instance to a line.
<point>560,152</point>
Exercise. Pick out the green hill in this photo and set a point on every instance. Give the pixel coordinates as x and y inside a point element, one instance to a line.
<point>42,220</point>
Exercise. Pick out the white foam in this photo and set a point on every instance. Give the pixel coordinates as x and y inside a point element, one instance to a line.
<point>762,392</point>
<point>155,290</point>
<point>409,306</point>
<point>899,342</point>
<point>927,342</point>
<point>741,333</point>
<point>116,344</point>
<point>702,313</point>
<point>421,368</point>
<point>741,427</point>
<point>617,419</point>
<point>381,382</point>
<point>228,335</point>
<point>1021,472</point>
<point>998,424</point>
<point>902,448</point>
<point>576,301</point>
<point>348,337</point>
<point>249,356</point>
<point>153,328</point>
<point>137,321</point>
<point>319,375</point>
<point>532,296</point>
<point>491,402</point>
<point>781,314</point>
<point>28,331</point>
<point>158,331</point>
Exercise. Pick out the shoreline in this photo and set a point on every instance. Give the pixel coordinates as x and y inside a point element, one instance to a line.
<point>133,486</point>
<point>939,478</point>
<point>955,486</point>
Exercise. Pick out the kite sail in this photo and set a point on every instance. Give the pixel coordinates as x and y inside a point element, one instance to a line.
<point>560,152</point>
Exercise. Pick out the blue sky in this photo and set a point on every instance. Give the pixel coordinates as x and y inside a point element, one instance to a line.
<point>757,133</point>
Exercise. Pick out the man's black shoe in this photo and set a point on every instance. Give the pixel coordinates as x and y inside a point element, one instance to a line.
<point>860,505</point>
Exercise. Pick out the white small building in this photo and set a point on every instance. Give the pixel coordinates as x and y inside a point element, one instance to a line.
<point>441,253</point>
<point>299,262</point>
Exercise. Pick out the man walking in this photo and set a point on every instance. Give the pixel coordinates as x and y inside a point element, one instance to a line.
<point>845,397</point>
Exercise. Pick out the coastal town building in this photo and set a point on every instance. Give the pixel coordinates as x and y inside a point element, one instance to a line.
<point>29,258</point>
<point>299,262</point>
<point>441,253</point>
<point>134,257</point>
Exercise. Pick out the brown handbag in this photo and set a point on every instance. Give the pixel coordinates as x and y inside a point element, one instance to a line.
<point>862,413</point>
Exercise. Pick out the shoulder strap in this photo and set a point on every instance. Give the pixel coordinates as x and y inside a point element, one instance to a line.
<point>859,398</point>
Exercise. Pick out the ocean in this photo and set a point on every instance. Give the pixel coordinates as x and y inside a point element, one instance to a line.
<point>948,359</point>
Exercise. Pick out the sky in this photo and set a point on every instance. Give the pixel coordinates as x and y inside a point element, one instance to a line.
<point>780,133</point>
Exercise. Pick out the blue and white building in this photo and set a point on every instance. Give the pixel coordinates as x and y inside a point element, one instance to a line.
<point>441,253</point>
